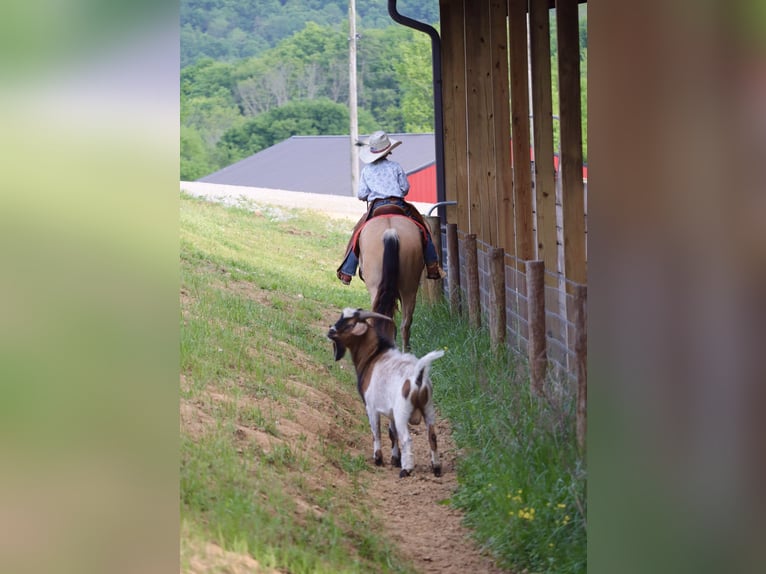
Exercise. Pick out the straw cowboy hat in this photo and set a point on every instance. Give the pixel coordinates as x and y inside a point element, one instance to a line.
<point>378,145</point>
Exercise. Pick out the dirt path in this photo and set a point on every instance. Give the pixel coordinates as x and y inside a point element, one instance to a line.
<point>428,531</point>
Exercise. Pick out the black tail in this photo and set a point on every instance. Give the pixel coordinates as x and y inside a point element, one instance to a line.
<point>387,299</point>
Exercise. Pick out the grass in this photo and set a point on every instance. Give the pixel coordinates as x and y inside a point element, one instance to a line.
<point>256,290</point>
<point>522,480</point>
<point>258,293</point>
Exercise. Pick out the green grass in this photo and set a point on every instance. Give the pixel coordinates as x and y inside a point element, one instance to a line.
<point>257,291</point>
<point>258,294</point>
<point>522,480</point>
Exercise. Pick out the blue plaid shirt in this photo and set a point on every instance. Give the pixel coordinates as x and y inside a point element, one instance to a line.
<point>382,178</point>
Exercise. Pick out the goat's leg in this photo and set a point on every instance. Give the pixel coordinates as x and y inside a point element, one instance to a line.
<point>430,418</point>
<point>377,454</point>
<point>405,442</point>
<point>396,455</point>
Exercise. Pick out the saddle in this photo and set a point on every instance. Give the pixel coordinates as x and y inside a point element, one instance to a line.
<point>388,209</point>
<point>385,210</point>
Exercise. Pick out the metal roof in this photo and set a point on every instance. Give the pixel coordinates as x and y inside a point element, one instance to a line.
<point>317,164</point>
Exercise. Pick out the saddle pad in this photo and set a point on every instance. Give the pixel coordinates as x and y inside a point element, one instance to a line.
<point>355,239</point>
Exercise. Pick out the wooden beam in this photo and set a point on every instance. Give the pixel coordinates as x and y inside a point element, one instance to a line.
<point>472,281</point>
<point>522,170</point>
<point>542,121</point>
<point>502,125</point>
<point>454,102</point>
<point>581,361</point>
<point>537,349</point>
<point>573,200</point>
<point>453,268</point>
<point>482,217</point>
<point>497,309</point>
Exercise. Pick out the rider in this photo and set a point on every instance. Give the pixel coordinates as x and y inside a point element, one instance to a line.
<point>383,182</point>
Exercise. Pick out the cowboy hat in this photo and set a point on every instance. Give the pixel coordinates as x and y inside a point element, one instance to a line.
<point>378,145</point>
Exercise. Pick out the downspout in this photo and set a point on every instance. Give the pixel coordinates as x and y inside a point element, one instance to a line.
<point>436,55</point>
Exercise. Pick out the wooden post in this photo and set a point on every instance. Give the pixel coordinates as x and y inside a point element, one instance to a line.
<point>542,106</point>
<point>453,268</point>
<point>497,313</point>
<point>522,168</point>
<point>581,361</point>
<point>572,191</point>
<point>434,288</point>
<point>472,267</point>
<point>455,111</point>
<point>501,126</point>
<point>536,317</point>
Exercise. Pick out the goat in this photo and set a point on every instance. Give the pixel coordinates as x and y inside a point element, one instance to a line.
<point>390,382</point>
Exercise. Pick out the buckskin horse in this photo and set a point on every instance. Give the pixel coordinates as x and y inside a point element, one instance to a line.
<point>391,263</point>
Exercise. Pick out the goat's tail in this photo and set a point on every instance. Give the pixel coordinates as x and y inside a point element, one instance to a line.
<point>387,299</point>
<point>421,393</point>
<point>424,365</point>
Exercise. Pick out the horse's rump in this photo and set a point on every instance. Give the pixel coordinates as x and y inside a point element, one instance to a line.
<point>391,263</point>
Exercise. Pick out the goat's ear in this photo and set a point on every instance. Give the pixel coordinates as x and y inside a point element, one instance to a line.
<point>360,329</point>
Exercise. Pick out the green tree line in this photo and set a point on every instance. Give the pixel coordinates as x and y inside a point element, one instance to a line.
<point>229,30</point>
<point>230,110</point>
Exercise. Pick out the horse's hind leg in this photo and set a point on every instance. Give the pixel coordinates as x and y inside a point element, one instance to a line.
<point>408,308</point>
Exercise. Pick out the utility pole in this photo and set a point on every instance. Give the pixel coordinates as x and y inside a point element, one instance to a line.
<point>352,108</point>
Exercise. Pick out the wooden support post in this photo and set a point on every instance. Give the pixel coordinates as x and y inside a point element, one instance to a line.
<point>434,288</point>
<point>472,267</point>
<point>572,190</point>
<point>497,313</point>
<point>453,268</point>
<point>522,168</point>
<point>542,106</point>
<point>581,361</point>
<point>536,317</point>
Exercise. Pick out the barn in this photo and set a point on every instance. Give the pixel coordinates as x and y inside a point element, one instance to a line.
<point>321,164</point>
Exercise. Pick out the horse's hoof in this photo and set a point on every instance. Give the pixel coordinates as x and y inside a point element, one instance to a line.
<point>378,458</point>
<point>437,470</point>
<point>405,473</point>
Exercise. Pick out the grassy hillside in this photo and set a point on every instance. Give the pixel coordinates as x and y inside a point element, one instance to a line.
<point>274,443</point>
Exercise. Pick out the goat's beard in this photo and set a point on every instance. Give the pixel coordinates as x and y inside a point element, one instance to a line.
<point>339,349</point>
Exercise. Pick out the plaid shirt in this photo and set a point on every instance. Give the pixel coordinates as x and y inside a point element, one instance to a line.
<point>382,178</point>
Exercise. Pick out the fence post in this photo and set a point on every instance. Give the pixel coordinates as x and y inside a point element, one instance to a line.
<point>472,267</point>
<point>536,318</point>
<point>581,360</point>
<point>497,314</point>
<point>453,268</point>
<point>434,288</point>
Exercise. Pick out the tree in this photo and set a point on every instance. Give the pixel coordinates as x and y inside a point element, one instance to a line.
<point>315,117</point>
<point>195,159</point>
<point>414,72</point>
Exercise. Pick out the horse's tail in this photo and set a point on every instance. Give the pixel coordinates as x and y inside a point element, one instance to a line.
<point>387,299</point>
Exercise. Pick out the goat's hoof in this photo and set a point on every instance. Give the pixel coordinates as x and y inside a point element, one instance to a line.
<point>378,458</point>
<point>405,473</point>
<point>437,470</point>
<point>396,461</point>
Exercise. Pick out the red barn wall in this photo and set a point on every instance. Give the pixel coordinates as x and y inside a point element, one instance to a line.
<point>423,185</point>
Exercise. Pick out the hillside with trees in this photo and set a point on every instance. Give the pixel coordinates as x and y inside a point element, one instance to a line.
<point>256,73</point>
<point>229,30</point>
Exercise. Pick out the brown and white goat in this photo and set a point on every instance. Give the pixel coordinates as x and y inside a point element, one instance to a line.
<point>390,382</point>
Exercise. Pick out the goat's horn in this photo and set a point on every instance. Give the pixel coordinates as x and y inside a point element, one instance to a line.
<point>364,315</point>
